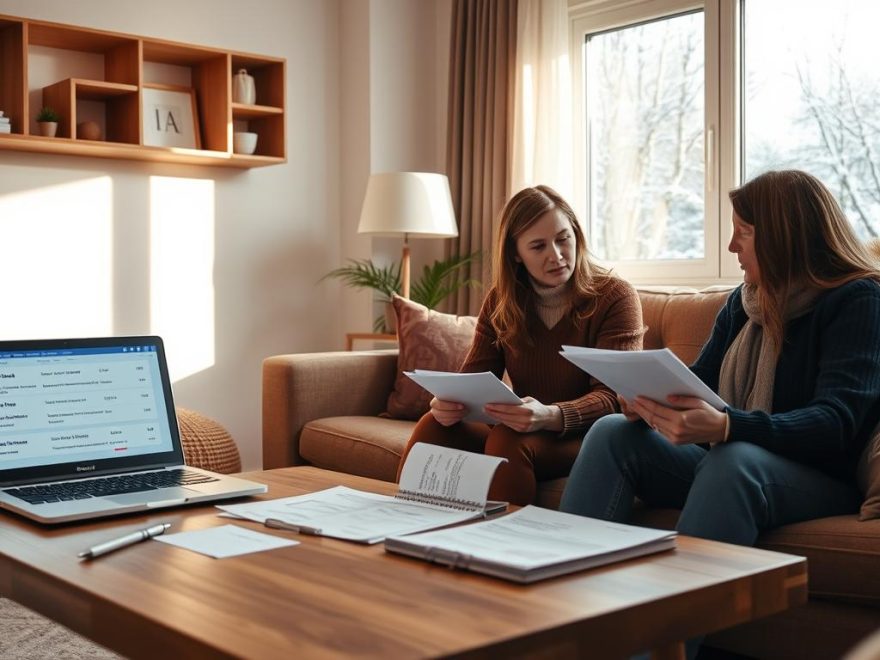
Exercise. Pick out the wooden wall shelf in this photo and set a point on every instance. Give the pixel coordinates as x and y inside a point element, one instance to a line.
<point>130,64</point>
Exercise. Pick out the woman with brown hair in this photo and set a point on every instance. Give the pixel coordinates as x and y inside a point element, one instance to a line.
<point>795,353</point>
<point>546,293</point>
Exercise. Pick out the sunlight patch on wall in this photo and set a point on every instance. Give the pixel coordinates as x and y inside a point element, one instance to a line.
<point>58,260</point>
<point>182,271</point>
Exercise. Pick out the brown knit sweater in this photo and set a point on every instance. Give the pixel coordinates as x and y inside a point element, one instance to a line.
<point>540,372</point>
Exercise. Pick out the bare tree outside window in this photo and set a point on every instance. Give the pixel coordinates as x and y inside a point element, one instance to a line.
<point>645,114</point>
<point>811,97</point>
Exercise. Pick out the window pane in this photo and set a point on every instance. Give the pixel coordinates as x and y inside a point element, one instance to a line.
<point>645,117</point>
<point>810,100</point>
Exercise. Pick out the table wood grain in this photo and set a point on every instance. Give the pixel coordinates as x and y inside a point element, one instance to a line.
<point>326,598</point>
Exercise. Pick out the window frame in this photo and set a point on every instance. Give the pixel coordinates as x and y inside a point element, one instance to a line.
<point>721,140</point>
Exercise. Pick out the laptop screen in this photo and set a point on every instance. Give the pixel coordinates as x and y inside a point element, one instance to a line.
<point>83,407</point>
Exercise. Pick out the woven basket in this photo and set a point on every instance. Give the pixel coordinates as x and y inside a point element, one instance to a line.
<point>206,444</point>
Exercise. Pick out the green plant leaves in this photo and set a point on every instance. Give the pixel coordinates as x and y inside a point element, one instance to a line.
<point>364,274</point>
<point>437,282</point>
<point>442,279</point>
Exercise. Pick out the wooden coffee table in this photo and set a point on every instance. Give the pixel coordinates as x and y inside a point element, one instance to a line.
<point>333,598</point>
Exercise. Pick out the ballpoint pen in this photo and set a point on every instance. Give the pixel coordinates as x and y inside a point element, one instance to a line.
<point>122,541</point>
<point>274,523</point>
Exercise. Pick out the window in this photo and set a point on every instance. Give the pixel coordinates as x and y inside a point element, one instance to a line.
<point>681,100</point>
<point>645,103</point>
<point>811,94</point>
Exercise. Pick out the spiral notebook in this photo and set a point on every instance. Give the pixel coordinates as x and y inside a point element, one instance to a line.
<point>438,487</point>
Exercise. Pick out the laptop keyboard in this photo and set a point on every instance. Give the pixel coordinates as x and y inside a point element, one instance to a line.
<point>126,483</point>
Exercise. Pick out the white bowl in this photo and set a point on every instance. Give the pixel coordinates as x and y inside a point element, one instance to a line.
<point>244,143</point>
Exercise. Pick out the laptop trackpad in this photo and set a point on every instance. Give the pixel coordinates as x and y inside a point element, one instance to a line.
<point>162,495</point>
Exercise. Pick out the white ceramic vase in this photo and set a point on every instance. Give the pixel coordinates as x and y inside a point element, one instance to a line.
<point>243,89</point>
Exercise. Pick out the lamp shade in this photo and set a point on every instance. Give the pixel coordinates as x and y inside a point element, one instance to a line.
<point>409,203</point>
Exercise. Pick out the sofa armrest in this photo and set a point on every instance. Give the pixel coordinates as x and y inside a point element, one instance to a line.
<point>307,386</point>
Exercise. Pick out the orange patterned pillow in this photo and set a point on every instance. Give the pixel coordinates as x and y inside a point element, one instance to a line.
<point>427,340</point>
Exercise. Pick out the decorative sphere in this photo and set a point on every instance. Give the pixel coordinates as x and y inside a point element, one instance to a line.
<point>88,130</point>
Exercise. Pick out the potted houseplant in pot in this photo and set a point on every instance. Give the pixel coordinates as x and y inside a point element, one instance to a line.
<point>48,120</point>
<point>436,282</point>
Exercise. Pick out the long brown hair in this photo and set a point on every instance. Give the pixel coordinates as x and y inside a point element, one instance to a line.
<point>802,238</point>
<point>510,278</point>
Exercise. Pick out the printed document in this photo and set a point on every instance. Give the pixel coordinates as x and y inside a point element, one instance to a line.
<point>655,374</point>
<point>474,390</point>
<point>438,487</point>
<point>532,544</point>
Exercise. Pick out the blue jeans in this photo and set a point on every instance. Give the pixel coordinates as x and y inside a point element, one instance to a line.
<point>730,493</point>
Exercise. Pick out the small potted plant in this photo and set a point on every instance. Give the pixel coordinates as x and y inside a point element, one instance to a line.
<point>437,281</point>
<point>48,120</point>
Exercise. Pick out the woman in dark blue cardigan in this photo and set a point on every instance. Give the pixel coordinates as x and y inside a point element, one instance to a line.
<point>795,353</point>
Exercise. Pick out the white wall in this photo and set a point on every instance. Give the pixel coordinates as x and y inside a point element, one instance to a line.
<point>408,92</point>
<point>225,263</point>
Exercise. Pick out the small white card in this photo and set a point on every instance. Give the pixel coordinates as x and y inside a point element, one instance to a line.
<point>225,541</point>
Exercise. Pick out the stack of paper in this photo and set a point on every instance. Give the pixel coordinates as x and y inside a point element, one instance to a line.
<point>5,125</point>
<point>474,390</point>
<point>655,374</point>
<point>533,544</point>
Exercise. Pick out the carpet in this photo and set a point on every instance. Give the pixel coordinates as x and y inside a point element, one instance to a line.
<point>26,635</point>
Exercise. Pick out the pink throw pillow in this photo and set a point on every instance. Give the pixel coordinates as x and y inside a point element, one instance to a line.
<point>427,340</point>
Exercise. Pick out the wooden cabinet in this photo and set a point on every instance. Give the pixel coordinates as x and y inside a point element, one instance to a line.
<point>98,76</point>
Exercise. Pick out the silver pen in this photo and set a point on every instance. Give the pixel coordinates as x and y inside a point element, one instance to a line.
<point>122,541</point>
<point>274,523</point>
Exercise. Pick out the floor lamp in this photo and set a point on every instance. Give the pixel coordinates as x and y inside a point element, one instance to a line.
<point>408,204</point>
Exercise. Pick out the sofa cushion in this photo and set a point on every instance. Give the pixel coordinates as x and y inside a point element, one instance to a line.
<point>868,475</point>
<point>680,319</point>
<point>365,446</point>
<point>427,340</point>
<point>842,554</point>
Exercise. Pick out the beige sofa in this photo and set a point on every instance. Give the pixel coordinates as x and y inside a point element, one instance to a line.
<point>323,409</point>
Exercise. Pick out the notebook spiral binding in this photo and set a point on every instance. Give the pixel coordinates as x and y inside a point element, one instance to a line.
<point>461,505</point>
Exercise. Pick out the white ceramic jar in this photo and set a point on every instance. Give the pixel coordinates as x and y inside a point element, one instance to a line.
<point>243,89</point>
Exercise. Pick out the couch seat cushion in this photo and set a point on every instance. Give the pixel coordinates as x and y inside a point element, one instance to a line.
<point>365,446</point>
<point>842,556</point>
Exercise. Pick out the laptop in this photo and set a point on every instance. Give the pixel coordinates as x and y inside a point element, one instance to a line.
<point>88,429</point>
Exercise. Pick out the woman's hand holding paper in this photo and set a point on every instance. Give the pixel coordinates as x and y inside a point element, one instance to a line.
<point>686,420</point>
<point>530,415</point>
<point>447,413</point>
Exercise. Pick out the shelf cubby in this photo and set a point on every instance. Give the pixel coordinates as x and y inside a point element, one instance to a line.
<point>108,88</point>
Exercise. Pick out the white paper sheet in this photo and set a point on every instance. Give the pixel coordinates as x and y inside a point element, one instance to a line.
<point>474,390</point>
<point>225,541</point>
<point>654,374</point>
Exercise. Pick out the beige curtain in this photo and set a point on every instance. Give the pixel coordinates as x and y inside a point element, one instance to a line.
<point>543,141</point>
<point>481,83</point>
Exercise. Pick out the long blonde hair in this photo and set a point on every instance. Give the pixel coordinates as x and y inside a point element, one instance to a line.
<point>802,238</point>
<point>510,279</point>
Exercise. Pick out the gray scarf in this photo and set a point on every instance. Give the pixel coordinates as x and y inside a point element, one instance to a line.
<point>748,370</point>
